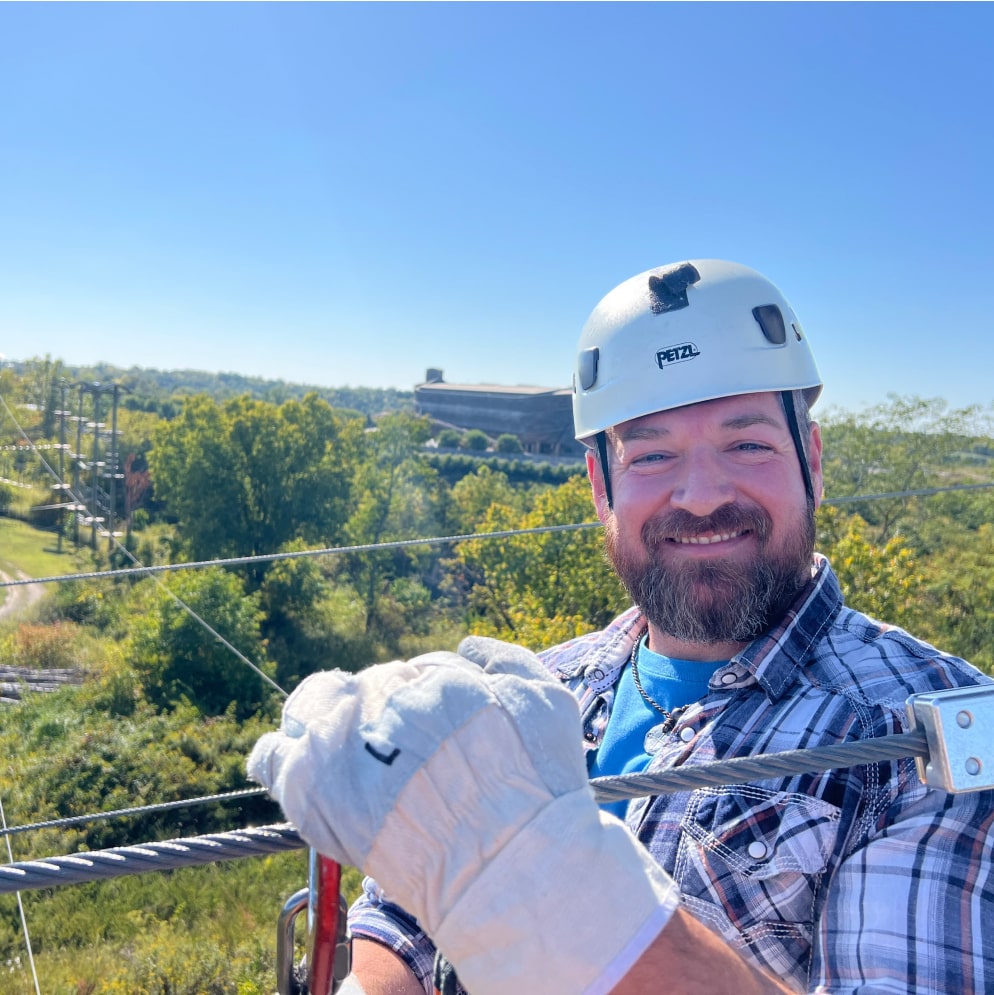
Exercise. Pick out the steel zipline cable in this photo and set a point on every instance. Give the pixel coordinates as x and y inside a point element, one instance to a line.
<point>96,865</point>
<point>738,770</point>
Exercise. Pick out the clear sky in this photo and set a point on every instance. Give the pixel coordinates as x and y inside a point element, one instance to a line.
<point>346,194</point>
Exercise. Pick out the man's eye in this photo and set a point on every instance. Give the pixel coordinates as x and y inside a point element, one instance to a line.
<point>650,459</point>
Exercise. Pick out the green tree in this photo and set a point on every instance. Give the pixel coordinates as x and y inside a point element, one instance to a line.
<point>294,596</point>
<point>178,659</point>
<point>246,477</point>
<point>906,444</point>
<point>472,496</point>
<point>397,496</point>
<point>40,387</point>
<point>883,580</point>
<point>540,589</point>
<point>957,609</point>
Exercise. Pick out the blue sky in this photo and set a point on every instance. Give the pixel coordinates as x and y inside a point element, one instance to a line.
<point>347,194</point>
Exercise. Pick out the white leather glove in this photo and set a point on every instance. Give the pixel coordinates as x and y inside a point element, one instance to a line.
<point>458,782</point>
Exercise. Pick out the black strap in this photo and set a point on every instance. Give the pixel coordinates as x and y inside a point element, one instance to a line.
<point>601,440</point>
<point>787,399</point>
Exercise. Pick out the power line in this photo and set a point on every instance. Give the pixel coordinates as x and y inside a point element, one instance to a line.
<point>78,820</point>
<point>920,492</point>
<point>234,561</point>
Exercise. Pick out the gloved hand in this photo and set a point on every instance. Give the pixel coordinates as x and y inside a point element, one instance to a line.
<point>458,782</point>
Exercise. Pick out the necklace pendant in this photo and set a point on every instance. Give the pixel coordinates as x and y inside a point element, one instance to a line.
<point>653,741</point>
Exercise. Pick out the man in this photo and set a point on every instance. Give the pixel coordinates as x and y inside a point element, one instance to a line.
<point>691,388</point>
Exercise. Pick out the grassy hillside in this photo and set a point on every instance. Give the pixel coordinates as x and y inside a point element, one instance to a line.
<point>26,550</point>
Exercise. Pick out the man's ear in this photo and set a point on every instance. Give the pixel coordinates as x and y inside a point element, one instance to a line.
<point>814,464</point>
<point>596,477</point>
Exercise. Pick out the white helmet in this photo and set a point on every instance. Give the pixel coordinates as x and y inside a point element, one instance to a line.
<point>684,333</point>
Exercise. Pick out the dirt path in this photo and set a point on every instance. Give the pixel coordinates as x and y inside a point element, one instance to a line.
<point>18,600</point>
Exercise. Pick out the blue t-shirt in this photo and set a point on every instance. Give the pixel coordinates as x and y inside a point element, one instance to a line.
<point>673,684</point>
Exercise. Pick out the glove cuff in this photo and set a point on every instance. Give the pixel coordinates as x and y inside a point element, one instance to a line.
<point>534,920</point>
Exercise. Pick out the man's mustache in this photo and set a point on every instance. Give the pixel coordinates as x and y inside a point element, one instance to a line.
<point>680,524</point>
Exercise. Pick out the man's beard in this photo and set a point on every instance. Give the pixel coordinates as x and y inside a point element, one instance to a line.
<point>714,600</point>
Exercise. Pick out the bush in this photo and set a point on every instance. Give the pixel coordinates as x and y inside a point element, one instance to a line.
<point>475,441</point>
<point>45,647</point>
<point>454,466</point>
<point>449,438</point>
<point>507,443</point>
<point>66,757</point>
<point>82,603</point>
<point>178,660</point>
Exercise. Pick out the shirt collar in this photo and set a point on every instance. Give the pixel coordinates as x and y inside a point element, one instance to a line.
<point>775,658</point>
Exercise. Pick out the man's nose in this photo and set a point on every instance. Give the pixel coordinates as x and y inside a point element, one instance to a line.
<point>703,485</point>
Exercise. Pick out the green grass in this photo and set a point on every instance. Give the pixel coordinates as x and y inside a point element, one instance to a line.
<point>33,551</point>
<point>197,931</point>
<point>207,930</point>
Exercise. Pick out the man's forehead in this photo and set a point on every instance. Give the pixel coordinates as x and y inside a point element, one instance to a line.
<point>738,411</point>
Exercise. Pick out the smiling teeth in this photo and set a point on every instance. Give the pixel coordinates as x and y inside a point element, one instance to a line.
<point>706,540</point>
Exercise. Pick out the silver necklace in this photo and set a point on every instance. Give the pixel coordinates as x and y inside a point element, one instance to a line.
<point>638,682</point>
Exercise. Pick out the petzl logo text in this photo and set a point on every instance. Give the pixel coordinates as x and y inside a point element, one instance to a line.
<point>676,354</point>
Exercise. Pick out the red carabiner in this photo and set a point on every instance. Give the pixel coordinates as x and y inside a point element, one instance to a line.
<point>329,953</point>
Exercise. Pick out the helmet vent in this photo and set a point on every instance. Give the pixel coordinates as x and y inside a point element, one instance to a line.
<point>771,321</point>
<point>669,291</point>
<point>588,367</point>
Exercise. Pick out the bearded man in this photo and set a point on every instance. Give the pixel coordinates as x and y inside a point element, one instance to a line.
<point>692,389</point>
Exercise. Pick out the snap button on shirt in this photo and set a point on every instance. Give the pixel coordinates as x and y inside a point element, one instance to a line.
<point>687,734</point>
<point>729,678</point>
<point>758,850</point>
<point>654,739</point>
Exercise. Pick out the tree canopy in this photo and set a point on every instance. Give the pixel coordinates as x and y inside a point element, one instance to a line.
<point>245,477</point>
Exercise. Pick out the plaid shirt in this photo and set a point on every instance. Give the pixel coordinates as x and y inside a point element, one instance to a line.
<point>856,880</point>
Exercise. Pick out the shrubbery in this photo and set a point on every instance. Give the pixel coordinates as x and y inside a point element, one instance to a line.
<point>454,466</point>
<point>475,441</point>
<point>449,438</point>
<point>507,443</point>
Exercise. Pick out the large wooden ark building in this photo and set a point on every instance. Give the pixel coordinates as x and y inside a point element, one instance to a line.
<point>541,417</point>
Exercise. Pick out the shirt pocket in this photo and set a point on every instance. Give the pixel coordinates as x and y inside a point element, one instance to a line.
<point>750,862</point>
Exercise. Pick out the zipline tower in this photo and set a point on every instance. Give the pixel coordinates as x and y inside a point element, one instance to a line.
<point>94,475</point>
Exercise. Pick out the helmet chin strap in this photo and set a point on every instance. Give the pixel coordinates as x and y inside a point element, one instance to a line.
<point>790,413</point>
<point>786,402</point>
<point>601,442</point>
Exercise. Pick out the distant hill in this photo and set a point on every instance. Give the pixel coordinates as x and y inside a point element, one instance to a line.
<point>157,390</point>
